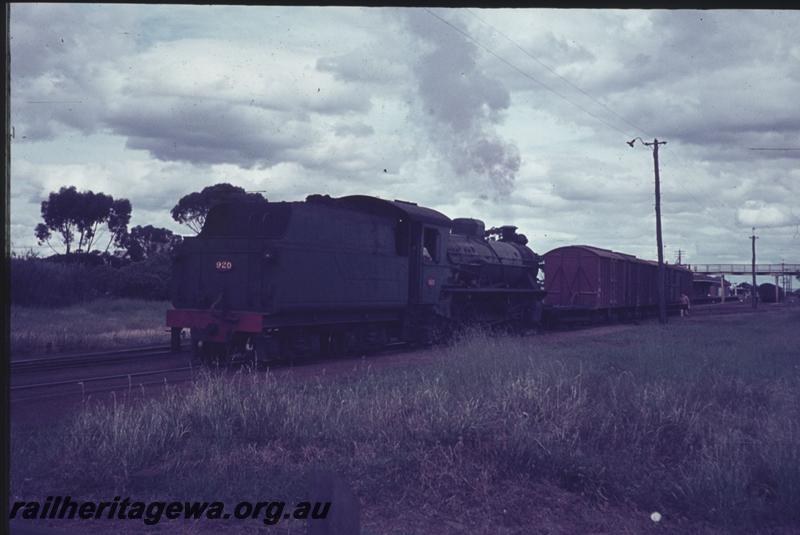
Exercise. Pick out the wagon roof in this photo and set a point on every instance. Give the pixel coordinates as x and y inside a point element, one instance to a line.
<point>607,253</point>
<point>604,253</point>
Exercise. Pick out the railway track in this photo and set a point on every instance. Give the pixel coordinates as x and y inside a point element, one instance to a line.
<point>128,380</point>
<point>84,386</point>
<point>98,384</point>
<point>725,309</point>
<point>76,360</point>
<point>78,375</point>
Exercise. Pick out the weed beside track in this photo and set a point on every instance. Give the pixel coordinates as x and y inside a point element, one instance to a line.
<point>701,424</point>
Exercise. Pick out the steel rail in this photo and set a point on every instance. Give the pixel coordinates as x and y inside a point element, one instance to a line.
<point>84,393</point>
<point>391,349</point>
<point>54,356</point>
<point>101,378</point>
<point>71,361</point>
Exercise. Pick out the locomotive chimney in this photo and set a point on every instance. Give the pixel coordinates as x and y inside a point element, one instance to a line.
<point>508,233</point>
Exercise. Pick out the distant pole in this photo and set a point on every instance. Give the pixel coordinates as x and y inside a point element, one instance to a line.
<point>662,304</point>
<point>753,268</point>
<point>679,257</point>
<point>722,288</point>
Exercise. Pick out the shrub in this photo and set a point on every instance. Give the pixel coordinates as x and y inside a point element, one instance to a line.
<point>40,283</point>
<point>148,279</point>
<point>62,281</point>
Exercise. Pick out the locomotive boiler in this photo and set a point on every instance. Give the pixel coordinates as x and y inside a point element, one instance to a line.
<point>494,275</point>
<point>343,275</point>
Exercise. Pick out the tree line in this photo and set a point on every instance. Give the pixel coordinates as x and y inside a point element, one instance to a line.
<point>78,220</point>
<point>96,252</point>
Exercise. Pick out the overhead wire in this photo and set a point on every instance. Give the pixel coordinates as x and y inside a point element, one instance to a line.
<point>547,87</point>
<point>709,200</point>
<point>522,72</point>
<point>554,72</point>
<point>577,88</point>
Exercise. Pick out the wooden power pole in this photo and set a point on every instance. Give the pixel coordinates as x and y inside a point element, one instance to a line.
<point>754,292</point>
<point>662,303</point>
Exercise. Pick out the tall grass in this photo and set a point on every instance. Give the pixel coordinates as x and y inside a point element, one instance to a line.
<point>690,421</point>
<point>104,323</point>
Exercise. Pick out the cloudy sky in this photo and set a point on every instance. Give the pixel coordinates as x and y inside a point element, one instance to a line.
<point>512,116</point>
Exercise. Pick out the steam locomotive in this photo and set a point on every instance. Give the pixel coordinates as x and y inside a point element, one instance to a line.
<point>341,275</point>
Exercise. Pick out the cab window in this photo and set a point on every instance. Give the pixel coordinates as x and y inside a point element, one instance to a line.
<point>430,245</point>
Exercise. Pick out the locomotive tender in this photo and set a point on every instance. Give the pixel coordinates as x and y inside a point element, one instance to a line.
<point>342,275</point>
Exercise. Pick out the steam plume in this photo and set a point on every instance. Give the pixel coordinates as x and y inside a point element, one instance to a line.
<point>461,106</point>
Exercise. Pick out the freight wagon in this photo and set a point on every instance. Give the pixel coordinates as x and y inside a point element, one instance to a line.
<point>586,283</point>
<point>769,293</point>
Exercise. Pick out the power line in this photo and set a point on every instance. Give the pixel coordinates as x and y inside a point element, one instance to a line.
<point>540,62</point>
<point>718,203</point>
<point>759,148</point>
<point>523,73</point>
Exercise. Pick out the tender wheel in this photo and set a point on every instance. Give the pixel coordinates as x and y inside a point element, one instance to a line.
<point>213,354</point>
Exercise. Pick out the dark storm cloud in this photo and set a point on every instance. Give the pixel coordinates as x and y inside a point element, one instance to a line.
<point>460,106</point>
<point>712,78</point>
<point>59,75</point>
<point>43,37</point>
<point>688,44</point>
<point>208,133</point>
<point>717,79</point>
<point>192,100</point>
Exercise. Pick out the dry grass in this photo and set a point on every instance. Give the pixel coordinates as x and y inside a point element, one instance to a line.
<point>700,424</point>
<point>99,324</point>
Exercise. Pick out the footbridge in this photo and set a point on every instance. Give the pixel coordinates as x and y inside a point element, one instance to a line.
<point>783,272</point>
<point>775,270</point>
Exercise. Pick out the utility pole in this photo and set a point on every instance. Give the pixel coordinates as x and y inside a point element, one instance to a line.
<point>679,257</point>
<point>662,304</point>
<point>754,293</point>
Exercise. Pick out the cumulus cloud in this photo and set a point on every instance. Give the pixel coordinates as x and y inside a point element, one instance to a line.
<point>761,214</point>
<point>209,132</point>
<point>155,102</point>
<point>195,100</point>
